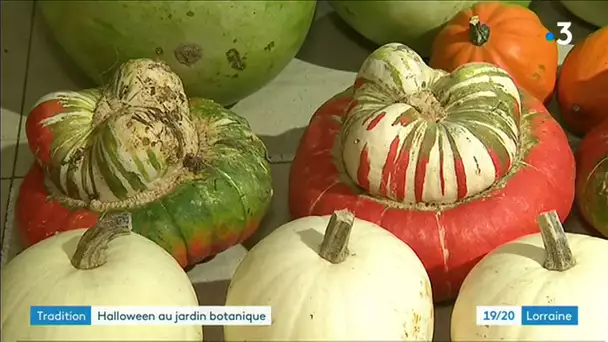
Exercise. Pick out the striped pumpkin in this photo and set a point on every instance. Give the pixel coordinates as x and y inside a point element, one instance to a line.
<point>192,174</point>
<point>592,178</point>
<point>454,164</point>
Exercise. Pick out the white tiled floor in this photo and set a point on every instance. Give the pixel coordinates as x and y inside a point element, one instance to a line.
<point>32,65</point>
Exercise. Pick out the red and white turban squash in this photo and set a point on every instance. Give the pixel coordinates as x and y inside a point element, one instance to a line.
<point>191,173</point>
<point>454,164</point>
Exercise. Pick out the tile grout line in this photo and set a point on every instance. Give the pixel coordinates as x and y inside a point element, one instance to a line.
<point>27,69</point>
<point>6,237</point>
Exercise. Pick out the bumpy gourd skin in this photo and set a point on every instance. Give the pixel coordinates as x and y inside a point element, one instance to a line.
<point>191,173</point>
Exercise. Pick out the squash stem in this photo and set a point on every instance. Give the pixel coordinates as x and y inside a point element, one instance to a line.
<point>558,255</point>
<point>334,247</point>
<point>91,250</point>
<point>479,33</point>
<point>427,105</point>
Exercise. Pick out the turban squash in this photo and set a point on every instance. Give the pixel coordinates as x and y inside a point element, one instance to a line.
<point>191,173</point>
<point>454,164</point>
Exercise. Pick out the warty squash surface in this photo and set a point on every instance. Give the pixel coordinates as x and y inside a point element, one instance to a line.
<point>191,173</point>
<point>453,164</point>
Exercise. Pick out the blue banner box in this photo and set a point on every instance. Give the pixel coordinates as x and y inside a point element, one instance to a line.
<point>549,315</point>
<point>60,315</point>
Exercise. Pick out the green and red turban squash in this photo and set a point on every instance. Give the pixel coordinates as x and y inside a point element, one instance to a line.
<point>191,173</point>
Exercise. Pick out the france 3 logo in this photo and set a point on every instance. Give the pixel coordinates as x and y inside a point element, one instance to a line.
<point>565,35</point>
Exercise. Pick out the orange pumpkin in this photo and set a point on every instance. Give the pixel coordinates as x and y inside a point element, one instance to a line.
<point>592,176</point>
<point>509,36</point>
<point>582,87</point>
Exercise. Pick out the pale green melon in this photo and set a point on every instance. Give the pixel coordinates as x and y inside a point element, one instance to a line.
<point>594,12</point>
<point>413,23</point>
<point>222,50</point>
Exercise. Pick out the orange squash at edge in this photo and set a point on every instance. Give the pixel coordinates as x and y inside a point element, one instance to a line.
<point>509,36</point>
<point>591,177</point>
<point>582,86</point>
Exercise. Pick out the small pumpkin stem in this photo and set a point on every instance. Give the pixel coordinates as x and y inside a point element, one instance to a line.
<point>427,105</point>
<point>479,33</point>
<point>558,255</point>
<point>334,247</point>
<point>91,250</point>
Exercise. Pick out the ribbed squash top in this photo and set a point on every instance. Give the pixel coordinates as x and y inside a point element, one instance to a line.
<point>129,141</point>
<point>414,134</point>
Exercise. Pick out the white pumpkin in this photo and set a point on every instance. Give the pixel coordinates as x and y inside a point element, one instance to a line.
<point>108,265</point>
<point>550,268</point>
<point>333,278</point>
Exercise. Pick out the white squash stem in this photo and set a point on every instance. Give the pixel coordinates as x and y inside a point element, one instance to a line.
<point>558,255</point>
<point>334,247</point>
<point>91,250</point>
